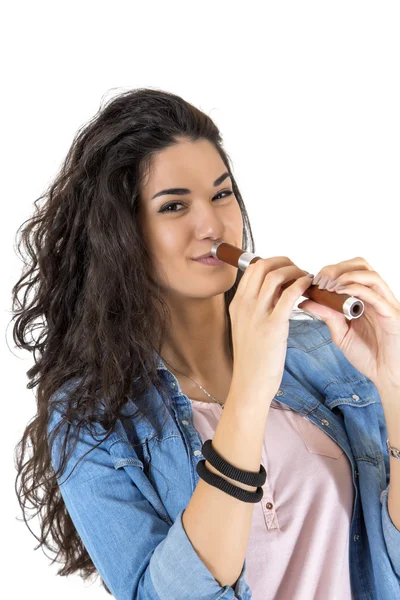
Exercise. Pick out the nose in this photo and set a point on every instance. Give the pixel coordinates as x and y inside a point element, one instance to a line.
<point>208,212</point>
<point>208,224</point>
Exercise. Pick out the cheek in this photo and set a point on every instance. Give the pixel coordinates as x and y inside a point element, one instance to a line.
<point>236,222</point>
<point>169,252</point>
<point>163,238</point>
<point>171,243</point>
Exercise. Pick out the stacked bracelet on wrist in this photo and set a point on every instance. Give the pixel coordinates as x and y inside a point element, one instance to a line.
<point>246,477</point>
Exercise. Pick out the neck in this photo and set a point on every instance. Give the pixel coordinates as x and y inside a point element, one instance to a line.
<point>197,344</point>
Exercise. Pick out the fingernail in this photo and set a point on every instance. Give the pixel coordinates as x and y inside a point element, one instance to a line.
<point>332,284</point>
<point>323,283</point>
<point>317,278</point>
<point>310,275</point>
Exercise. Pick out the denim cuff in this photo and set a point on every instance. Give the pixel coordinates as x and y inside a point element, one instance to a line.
<point>178,573</point>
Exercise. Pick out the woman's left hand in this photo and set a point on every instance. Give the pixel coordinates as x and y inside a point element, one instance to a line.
<point>370,343</point>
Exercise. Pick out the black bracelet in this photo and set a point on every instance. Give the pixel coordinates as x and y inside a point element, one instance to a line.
<point>246,477</point>
<point>227,487</point>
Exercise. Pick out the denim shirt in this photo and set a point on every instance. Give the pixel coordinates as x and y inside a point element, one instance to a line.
<point>126,498</point>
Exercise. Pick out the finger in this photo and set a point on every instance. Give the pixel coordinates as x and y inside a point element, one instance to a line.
<point>292,293</point>
<point>369,279</point>
<point>380,304</point>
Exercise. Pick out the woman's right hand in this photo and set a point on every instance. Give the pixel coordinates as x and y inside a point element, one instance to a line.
<point>260,313</point>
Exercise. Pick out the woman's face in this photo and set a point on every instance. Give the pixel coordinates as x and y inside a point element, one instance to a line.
<point>192,221</point>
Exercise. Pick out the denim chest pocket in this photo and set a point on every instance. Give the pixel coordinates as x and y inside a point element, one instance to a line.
<point>123,454</point>
<point>315,440</point>
<point>360,404</point>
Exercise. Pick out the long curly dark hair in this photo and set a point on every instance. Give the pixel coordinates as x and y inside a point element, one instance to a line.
<point>87,279</point>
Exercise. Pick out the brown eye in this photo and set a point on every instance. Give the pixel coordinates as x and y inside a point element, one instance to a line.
<point>166,206</point>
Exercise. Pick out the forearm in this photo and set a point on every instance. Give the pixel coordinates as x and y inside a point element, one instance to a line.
<point>217,524</point>
<point>391,406</point>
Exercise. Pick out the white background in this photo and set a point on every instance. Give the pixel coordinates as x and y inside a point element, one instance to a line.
<point>306,95</point>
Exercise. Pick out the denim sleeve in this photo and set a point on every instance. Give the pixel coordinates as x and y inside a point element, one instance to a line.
<point>177,549</point>
<point>391,534</point>
<point>137,553</point>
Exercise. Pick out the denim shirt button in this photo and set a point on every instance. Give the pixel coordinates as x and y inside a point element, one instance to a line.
<point>355,397</point>
<point>197,453</point>
<point>325,422</point>
<point>185,422</point>
<point>356,537</point>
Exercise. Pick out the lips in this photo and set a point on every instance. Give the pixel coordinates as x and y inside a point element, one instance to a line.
<point>204,256</point>
<point>210,260</point>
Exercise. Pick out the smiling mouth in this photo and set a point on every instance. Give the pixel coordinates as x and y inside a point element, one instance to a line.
<point>209,260</point>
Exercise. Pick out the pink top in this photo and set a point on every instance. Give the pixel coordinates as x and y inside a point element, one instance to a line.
<point>299,540</point>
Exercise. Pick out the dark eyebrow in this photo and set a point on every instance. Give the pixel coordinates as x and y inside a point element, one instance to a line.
<point>185,191</point>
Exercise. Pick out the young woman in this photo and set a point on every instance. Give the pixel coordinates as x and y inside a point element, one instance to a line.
<point>159,463</point>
